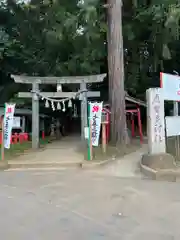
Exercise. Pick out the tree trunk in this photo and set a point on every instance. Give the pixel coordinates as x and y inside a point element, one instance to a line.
<point>116,72</point>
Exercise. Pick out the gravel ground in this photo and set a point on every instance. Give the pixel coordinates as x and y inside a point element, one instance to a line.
<point>77,204</point>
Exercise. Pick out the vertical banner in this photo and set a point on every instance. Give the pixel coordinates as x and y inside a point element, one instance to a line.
<point>95,117</point>
<point>8,123</point>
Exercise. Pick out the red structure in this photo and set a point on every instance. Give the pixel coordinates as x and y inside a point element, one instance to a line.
<point>133,111</point>
<point>107,114</point>
<point>43,135</point>
<point>17,138</point>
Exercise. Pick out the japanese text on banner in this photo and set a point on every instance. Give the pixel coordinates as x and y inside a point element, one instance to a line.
<point>8,123</point>
<point>95,117</point>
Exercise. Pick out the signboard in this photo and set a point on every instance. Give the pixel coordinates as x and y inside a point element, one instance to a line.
<point>8,124</point>
<point>86,132</point>
<point>172,126</point>
<point>171,86</point>
<point>16,122</point>
<point>95,118</point>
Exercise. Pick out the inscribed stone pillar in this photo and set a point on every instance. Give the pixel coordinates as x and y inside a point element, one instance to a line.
<point>155,121</point>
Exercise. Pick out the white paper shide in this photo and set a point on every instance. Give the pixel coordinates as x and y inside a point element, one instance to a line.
<point>8,124</point>
<point>95,118</point>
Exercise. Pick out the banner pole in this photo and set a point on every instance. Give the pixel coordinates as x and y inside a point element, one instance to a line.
<point>89,152</point>
<point>90,139</point>
<point>90,148</point>
<point>2,141</point>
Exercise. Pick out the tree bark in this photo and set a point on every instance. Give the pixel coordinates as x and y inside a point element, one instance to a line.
<point>116,72</point>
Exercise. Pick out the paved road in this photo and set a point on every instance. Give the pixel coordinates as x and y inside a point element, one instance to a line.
<point>77,204</point>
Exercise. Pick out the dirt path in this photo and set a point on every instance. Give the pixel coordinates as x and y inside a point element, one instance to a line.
<point>61,151</point>
<point>127,166</point>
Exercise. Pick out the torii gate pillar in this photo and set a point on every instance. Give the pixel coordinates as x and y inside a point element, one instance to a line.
<point>84,116</point>
<point>35,116</point>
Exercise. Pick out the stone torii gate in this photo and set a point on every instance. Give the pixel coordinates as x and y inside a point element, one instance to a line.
<point>36,81</point>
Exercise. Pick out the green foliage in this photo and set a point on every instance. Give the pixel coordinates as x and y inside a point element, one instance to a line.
<point>54,38</point>
<point>60,37</point>
<point>149,34</point>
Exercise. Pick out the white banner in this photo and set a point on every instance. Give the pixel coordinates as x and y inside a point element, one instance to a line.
<point>16,122</point>
<point>95,118</point>
<point>8,123</point>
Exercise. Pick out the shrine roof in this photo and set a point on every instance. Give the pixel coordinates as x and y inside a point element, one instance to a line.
<point>132,100</point>
<point>58,80</point>
<point>135,100</point>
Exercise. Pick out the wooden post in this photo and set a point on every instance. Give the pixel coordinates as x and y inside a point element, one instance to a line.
<point>83,109</point>
<point>35,117</point>
<point>104,137</point>
<point>90,147</point>
<point>2,141</point>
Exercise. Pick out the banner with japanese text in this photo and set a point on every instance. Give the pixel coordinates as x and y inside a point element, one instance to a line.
<point>8,123</point>
<point>95,118</point>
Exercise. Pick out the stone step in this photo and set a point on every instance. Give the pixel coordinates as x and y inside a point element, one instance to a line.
<point>28,165</point>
